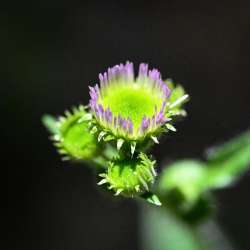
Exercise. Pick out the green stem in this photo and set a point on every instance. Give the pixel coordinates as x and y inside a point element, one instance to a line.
<point>213,237</point>
<point>160,229</point>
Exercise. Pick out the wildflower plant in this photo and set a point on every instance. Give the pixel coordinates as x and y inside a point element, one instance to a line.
<point>127,114</point>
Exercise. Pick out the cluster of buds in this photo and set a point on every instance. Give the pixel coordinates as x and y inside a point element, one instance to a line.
<point>123,109</point>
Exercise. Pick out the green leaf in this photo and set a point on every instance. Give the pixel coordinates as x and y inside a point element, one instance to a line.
<point>228,161</point>
<point>192,178</point>
<point>226,150</point>
<point>226,171</point>
<point>187,176</point>
<point>108,138</point>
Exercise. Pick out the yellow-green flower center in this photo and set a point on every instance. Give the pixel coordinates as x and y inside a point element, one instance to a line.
<point>132,101</point>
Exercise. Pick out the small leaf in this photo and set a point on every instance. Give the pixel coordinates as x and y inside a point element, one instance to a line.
<point>229,161</point>
<point>225,172</point>
<point>227,149</point>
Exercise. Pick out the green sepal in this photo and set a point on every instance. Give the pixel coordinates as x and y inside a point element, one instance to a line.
<point>170,127</point>
<point>176,101</point>
<point>120,142</point>
<point>85,117</point>
<point>132,147</point>
<point>108,138</point>
<point>151,198</point>
<point>101,135</point>
<point>155,140</point>
<point>178,97</point>
<point>51,124</point>
<point>93,130</point>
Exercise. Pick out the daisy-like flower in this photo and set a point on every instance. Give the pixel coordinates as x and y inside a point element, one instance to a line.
<point>129,108</point>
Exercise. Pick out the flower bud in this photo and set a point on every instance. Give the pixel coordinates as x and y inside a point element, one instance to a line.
<point>129,177</point>
<point>73,138</point>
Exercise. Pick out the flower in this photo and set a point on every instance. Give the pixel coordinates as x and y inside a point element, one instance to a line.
<point>71,136</point>
<point>129,177</point>
<point>129,108</point>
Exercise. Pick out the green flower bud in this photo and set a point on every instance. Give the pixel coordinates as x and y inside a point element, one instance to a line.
<point>129,177</point>
<point>72,136</point>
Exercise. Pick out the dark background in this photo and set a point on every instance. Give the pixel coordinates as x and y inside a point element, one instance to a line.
<point>52,51</point>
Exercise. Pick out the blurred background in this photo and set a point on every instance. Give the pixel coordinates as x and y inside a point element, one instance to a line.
<point>52,51</point>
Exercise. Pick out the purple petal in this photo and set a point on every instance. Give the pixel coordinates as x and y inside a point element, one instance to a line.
<point>166,90</point>
<point>143,70</point>
<point>130,126</point>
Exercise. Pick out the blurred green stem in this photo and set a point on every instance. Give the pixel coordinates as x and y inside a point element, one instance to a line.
<point>162,230</point>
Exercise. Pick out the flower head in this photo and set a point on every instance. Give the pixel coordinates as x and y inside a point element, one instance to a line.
<point>130,107</point>
<point>71,135</point>
<point>130,177</point>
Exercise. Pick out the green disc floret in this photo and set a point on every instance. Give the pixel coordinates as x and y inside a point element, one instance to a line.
<point>133,101</point>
